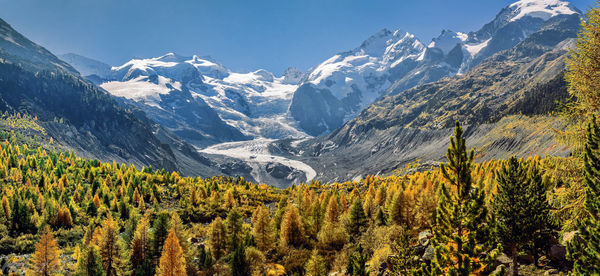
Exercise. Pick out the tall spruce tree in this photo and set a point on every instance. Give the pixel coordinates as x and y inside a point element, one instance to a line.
<point>585,252</point>
<point>358,220</point>
<point>513,225</point>
<point>543,224</point>
<point>461,235</point>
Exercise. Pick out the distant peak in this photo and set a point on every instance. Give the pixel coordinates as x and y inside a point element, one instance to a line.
<point>171,57</point>
<point>543,9</point>
<point>292,75</point>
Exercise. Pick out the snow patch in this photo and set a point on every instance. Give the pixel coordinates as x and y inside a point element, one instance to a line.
<point>544,9</point>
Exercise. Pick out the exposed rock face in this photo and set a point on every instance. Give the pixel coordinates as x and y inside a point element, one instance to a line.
<point>415,124</point>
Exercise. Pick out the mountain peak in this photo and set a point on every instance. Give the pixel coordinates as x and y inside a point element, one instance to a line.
<point>292,75</point>
<point>447,40</point>
<point>543,9</point>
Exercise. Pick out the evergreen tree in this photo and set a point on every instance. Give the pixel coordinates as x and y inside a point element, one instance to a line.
<point>160,231</point>
<point>239,264</point>
<point>585,252</point>
<point>461,236</point>
<point>357,262</point>
<point>543,225</point>
<point>358,220</point>
<point>45,260</point>
<point>172,260</point>
<point>403,261</point>
<point>514,226</point>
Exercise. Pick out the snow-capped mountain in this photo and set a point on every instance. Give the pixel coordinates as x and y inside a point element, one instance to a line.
<point>203,101</point>
<point>340,87</point>
<point>346,83</point>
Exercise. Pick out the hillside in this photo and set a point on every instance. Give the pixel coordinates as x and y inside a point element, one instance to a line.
<point>90,122</point>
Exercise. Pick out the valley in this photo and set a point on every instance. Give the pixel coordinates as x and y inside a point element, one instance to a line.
<point>476,152</point>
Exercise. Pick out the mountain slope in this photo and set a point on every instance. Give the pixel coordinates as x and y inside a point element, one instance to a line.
<point>414,124</point>
<point>78,115</point>
<point>391,62</point>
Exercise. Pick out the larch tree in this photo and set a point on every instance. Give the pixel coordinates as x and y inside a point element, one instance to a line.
<point>89,262</point>
<point>315,265</point>
<point>141,249</point>
<point>583,75</point>
<point>217,238</point>
<point>172,261</point>
<point>333,235</point>
<point>182,236</point>
<point>461,238</point>
<point>262,229</point>
<point>292,228</point>
<point>45,260</point>
<point>109,249</point>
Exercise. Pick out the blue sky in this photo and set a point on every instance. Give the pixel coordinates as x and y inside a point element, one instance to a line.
<point>243,35</point>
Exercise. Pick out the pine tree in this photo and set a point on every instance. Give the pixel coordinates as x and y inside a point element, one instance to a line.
<point>461,236</point>
<point>358,220</point>
<point>109,249</point>
<point>544,226</point>
<point>403,261</point>
<point>172,260</point>
<point>585,252</point>
<point>239,264</point>
<point>45,260</point>
<point>315,265</point>
<point>357,262</point>
<point>292,228</point>
<point>160,231</point>
<point>514,226</point>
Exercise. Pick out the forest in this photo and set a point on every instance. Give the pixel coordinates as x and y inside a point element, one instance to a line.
<point>66,215</point>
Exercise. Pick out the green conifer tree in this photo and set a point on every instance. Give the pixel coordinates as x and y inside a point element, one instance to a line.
<point>514,225</point>
<point>585,252</point>
<point>358,220</point>
<point>461,236</point>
